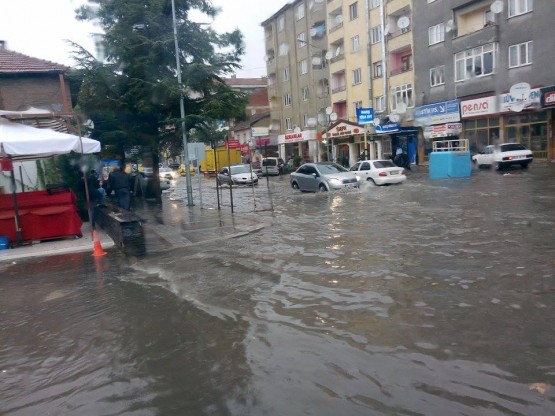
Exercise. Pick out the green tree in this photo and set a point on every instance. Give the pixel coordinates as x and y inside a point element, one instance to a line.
<point>133,97</point>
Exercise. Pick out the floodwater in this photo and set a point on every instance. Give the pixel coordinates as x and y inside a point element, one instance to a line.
<point>427,298</point>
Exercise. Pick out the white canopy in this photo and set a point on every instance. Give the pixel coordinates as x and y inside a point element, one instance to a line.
<point>22,142</point>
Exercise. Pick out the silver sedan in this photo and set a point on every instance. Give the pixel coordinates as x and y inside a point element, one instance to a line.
<point>323,176</point>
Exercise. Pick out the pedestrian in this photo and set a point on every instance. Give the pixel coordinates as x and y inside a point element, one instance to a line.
<point>101,194</point>
<point>118,182</point>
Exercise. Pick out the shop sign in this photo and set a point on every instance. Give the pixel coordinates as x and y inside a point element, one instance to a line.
<point>233,144</point>
<point>343,130</point>
<point>388,128</point>
<point>260,131</point>
<point>296,137</point>
<point>442,130</point>
<point>487,105</point>
<point>438,113</point>
<point>548,97</point>
<point>365,115</point>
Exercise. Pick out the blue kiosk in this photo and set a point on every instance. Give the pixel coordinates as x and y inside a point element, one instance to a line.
<point>450,159</point>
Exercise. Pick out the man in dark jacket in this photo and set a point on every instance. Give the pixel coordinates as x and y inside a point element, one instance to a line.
<point>118,181</point>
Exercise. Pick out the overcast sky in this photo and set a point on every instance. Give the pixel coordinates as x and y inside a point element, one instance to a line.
<point>38,28</point>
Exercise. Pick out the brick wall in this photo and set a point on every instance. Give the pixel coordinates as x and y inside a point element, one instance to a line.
<point>21,92</point>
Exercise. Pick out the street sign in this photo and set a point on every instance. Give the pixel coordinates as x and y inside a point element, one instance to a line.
<point>365,115</point>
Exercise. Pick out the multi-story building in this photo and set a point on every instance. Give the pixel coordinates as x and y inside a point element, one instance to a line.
<point>492,63</point>
<point>298,86</point>
<point>427,69</point>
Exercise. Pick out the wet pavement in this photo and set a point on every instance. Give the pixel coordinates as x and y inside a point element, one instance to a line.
<point>427,298</point>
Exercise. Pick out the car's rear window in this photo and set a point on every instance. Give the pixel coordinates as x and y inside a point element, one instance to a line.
<point>269,162</point>
<point>240,169</point>
<point>512,146</point>
<point>384,164</point>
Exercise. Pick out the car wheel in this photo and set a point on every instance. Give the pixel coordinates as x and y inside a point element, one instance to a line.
<point>524,165</point>
<point>295,185</point>
<point>498,166</point>
<point>322,188</point>
<point>372,181</point>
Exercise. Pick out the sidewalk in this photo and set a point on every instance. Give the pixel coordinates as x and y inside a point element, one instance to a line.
<point>164,229</point>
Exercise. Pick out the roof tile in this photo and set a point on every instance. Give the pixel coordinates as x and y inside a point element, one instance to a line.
<point>16,63</point>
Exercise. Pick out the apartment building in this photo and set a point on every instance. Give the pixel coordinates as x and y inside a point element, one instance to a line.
<point>484,72</point>
<point>298,86</point>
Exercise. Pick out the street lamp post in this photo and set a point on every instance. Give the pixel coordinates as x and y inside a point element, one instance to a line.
<point>182,109</point>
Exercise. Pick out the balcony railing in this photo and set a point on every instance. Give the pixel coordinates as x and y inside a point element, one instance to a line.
<point>400,70</point>
<point>398,32</point>
<point>334,28</point>
<point>341,88</point>
<point>337,58</point>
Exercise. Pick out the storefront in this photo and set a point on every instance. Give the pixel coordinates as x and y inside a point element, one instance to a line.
<point>547,102</point>
<point>346,141</point>
<point>303,144</point>
<point>503,119</point>
<point>438,121</point>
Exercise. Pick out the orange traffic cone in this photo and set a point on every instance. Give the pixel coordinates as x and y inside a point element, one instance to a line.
<point>98,250</point>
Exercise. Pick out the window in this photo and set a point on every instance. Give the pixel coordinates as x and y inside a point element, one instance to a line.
<point>303,66</point>
<point>357,104</point>
<point>520,54</point>
<point>305,93</point>
<point>406,63</point>
<point>355,44</point>
<point>353,11</point>
<point>437,76</point>
<point>436,34</point>
<point>379,104</point>
<point>288,124</point>
<point>287,100</point>
<point>375,3</point>
<point>300,11</point>
<point>488,18</point>
<point>302,39</point>
<point>376,34</point>
<point>281,23</point>
<point>517,7</point>
<point>475,62</point>
<point>285,74</point>
<point>378,69</point>
<point>357,76</point>
<point>401,94</point>
<point>305,120</point>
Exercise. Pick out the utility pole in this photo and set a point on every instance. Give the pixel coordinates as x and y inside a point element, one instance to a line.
<point>182,108</point>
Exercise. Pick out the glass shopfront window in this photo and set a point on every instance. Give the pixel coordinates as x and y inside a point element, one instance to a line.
<point>481,133</point>
<point>530,130</point>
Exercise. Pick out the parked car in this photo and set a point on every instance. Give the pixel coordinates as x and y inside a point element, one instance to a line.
<point>168,173</point>
<point>503,156</point>
<point>272,166</point>
<point>165,183</point>
<point>237,175</point>
<point>381,172</point>
<point>323,176</point>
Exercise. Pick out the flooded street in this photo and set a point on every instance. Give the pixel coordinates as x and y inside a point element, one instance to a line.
<point>426,298</point>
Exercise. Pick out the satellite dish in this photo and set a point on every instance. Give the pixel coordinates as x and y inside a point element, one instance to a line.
<point>403,22</point>
<point>394,118</point>
<point>339,19</point>
<point>297,130</point>
<point>316,60</point>
<point>329,55</point>
<point>311,122</point>
<point>401,108</point>
<point>496,7</point>
<point>517,106</point>
<point>377,121</point>
<point>313,32</point>
<point>449,26</point>
<point>520,91</point>
<point>329,110</point>
<point>386,29</point>
<point>338,51</point>
<point>333,116</point>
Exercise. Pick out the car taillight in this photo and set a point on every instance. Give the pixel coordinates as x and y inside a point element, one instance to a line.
<point>382,174</point>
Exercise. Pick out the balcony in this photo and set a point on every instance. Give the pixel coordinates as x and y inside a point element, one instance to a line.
<point>488,34</point>
<point>338,89</point>
<point>401,70</point>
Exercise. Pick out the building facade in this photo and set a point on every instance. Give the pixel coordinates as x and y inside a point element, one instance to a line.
<point>495,58</point>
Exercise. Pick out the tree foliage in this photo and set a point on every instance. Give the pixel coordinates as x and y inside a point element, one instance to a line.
<point>133,97</point>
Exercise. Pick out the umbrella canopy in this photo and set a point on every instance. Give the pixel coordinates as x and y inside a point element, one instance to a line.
<point>22,142</point>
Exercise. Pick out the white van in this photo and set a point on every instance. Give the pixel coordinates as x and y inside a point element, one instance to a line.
<point>272,166</point>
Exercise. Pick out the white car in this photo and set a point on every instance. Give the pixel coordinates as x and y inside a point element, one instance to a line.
<point>503,156</point>
<point>381,172</point>
<point>237,175</point>
<point>168,173</point>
